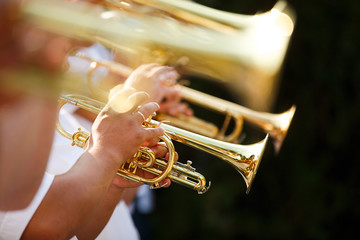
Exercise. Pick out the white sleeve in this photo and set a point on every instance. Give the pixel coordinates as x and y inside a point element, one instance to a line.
<point>13,223</point>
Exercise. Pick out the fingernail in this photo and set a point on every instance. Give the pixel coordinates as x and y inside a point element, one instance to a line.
<point>158,106</point>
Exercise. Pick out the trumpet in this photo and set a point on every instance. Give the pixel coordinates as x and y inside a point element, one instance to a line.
<point>245,52</point>
<point>244,158</point>
<point>275,124</point>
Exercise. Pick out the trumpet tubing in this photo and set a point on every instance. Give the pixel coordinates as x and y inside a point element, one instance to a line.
<point>244,158</point>
<point>183,174</point>
<point>128,169</point>
<point>245,52</point>
<point>275,124</point>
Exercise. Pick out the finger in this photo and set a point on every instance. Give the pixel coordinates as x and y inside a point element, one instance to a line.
<point>149,108</point>
<point>137,99</point>
<point>189,112</point>
<point>147,67</point>
<point>151,142</point>
<point>166,75</point>
<point>174,109</point>
<point>119,100</point>
<point>160,150</point>
<point>145,174</point>
<point>167,155</point>
<point>144,112</point>
<point>173,93</point>
<point>153,132</point>
<point>165,183</point>
<point>118,92</point>
<point>115,89</point>
<point>179,108</point>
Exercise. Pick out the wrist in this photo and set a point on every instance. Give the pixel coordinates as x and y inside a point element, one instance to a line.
<point>116,191</point>
<point>106,158</point>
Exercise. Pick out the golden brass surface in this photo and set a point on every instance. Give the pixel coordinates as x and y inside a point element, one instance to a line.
<point>244,158</point>
<point>276,125</point>
<point>245,52</point>
<point>143,158</point>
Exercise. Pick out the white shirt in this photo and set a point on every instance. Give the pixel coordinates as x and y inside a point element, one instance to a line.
<point>13,223</point>
<point>62,157</point>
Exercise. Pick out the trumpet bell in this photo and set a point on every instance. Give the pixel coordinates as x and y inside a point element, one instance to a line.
<point>243,51</point>
<point>249,168</point>
<point>277,125</point>
<point>244,158</point>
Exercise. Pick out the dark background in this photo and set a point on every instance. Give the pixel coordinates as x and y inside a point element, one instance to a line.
<point>311,190</point>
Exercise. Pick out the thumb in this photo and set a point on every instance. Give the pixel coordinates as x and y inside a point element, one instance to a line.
<point>137,99</point>
<point>118,101</point>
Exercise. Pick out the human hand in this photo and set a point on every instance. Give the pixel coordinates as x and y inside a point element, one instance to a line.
<point>155,79</point>
<point>161,152</point>
<point>117,132</point>
<point>159,82</point>
<point>173,105</point>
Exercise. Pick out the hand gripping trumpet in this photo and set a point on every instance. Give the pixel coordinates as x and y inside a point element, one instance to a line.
<point>275,124</point>
<point>244,158</point>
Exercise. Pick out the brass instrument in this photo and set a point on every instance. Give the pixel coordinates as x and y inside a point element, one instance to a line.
<point>244,158</point>
<point>245,52</point>
<point>276,125</point>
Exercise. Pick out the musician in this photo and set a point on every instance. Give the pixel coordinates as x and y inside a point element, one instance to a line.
<point>171,104</point>
<point>65,202</point>
<point>73,203</point>
<point>29,86</point>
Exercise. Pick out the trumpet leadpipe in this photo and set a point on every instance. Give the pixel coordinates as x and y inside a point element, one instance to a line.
<point>244,158</point>
<point>276,125</point>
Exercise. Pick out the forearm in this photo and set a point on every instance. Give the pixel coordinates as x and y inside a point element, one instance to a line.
<point>93,227</point>
<point>129,195</point>
<point>72,199</point>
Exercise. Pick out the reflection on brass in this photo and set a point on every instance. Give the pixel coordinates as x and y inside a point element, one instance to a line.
<point>244,158</point>
<point>245,52</point>
<point>276,125</point>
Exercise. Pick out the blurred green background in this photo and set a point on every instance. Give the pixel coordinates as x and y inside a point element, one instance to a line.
<point>311,190</point>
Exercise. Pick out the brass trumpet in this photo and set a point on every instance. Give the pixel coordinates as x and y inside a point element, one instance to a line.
<point>276,125</point>
<point>245,52</point>
<point>244,158</point>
